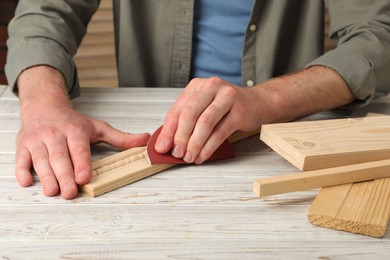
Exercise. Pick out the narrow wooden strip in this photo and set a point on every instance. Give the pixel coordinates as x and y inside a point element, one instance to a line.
<point>321,178</point>
<point>122,176</point>
<point>364,209</point>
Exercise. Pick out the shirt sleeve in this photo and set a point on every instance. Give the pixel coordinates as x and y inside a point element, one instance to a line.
<point>361,30</point>
<point>47,32</point>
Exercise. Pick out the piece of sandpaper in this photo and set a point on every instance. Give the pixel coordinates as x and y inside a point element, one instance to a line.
<point>224,151</point>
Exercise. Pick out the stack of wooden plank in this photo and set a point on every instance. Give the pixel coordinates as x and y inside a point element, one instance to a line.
<point>349,158</point>
<point>95,59</point>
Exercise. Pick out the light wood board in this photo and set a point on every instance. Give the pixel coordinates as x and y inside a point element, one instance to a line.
<point>322,144</point>
<point>121,169</point>
<point>361,208</point>
<point>129,166</point>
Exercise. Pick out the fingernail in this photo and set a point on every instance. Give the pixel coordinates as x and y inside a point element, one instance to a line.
<point>161,145</point>
<point>22,179</point>
<point>82,175</point>
<point>198,160</point>
<point>176,152</point>
<point>188,157</point>
<point>50,187</point>
<point>68,188</point>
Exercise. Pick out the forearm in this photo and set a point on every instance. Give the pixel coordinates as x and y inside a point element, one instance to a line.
<point>306,92</point>
<point>47,32</point>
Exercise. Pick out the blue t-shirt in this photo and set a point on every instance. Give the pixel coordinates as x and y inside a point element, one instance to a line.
<point>219,30</point>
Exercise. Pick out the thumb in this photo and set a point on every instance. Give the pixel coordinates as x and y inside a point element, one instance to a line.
<point>119,139</point>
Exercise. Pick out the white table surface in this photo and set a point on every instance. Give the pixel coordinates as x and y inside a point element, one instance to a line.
<point>186,212</point>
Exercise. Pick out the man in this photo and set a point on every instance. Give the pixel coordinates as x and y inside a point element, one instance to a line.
<point>274,72</point>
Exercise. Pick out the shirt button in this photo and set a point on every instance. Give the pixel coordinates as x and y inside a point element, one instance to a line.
<point>252,27</point>
<point>250,83</point>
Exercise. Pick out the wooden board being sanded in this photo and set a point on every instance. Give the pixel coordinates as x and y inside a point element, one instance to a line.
<point>129,166</point>
<point>322,144</point>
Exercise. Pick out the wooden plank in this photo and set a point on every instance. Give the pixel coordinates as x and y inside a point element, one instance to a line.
<point>361,208</point>
<point>120,169</point>
<point>321,178</point>
<point>349,207</point>
<point>330,143</point>
<point>126,167</point>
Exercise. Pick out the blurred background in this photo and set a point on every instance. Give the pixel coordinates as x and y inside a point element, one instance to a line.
<point>95,59</point>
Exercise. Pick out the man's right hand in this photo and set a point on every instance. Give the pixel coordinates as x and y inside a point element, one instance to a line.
<point>54,139</point>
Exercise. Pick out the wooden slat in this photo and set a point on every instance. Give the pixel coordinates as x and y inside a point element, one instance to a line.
<point>322,178</point>
<point>121,169</point>
<point>330,143</point>
<point>362,208</point>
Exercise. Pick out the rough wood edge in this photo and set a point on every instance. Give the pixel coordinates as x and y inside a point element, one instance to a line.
<point>360,208</point>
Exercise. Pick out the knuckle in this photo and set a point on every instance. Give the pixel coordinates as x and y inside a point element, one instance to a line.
<point>80,150</point>
<point>229,93</point>
<point>58,155</point>
<point>206,120</point>
<point>214,81</point>
<point>38,159</point>
<point>75,128</point>
<point>188,112</point>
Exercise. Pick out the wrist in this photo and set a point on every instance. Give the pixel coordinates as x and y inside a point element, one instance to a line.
<point>306,92</point>
<point>42,85</point>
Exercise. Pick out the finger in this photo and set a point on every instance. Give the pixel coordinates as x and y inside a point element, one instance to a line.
<point>221,132</point>
<point>23,164</point>
<point>40,160</point>
<point>187,121</point>
<point>121,140</point>
<point>164,141</point>
<point>166,137</point>
<point>80,154</point>
<point>62,166</point>
<point>204,127</point>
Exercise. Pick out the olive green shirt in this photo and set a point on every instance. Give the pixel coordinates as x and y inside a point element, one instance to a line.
<point>154,38</point>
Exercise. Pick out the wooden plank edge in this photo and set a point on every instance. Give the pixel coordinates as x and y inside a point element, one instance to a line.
<point>355,227</point>
<point>275,143</point>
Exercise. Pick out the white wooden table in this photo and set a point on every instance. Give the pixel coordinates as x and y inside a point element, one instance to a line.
<point>187,212</point>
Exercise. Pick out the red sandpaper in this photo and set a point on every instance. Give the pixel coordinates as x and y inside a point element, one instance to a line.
<point>224,151</point>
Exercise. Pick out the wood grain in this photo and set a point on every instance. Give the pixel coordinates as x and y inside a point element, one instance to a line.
<point>361,208</point>
<point>330,143</point>
<point>121,169</point>
<point>364,208</point>
<point>206,211</point>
